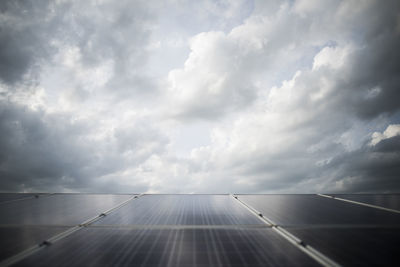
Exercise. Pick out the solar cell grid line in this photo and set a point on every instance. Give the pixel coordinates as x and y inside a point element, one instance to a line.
<point>312,252</point>
<point>257,243</point>
<point>28,252</point>
<point>194,248</point>
<point>153,219</point>
<point>167,254</point>
<point>152,249</point>
<point>253,246</point>
<point>203,214</point>
<point>220,244</point>
<point>132,246</point>
<point>359,203</point>
<point>214,248</point>
<point>237,251</point>
<point>177,249</point>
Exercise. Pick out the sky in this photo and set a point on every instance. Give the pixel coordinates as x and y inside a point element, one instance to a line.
<point>212,96</point>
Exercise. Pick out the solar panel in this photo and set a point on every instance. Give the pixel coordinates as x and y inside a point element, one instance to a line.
<point>186,247</point>
<point>355,246</point>
<point>181,209</point>
<point>313,209</point>
<point>391,201</point>
<point>195,230</point>
<point>60,209</point>
<point>15,239</point>
<point>7,197</point>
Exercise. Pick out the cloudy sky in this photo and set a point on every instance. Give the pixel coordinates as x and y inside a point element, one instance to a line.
<point>213,96</point>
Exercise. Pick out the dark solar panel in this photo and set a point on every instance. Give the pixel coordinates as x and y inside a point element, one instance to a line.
<point>181,209</point>
<point>188,247</point>
<point>8,197</point>
<point>313,209</point>
<point>197,230</point>
<point>15,239</point>
<point>355,246</point>
<point>62,209</point>
<point>391,201</point>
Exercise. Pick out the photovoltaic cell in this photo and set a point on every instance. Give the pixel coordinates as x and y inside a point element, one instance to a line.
<point>189,247</point>
<point>313,209</point>
<point>355,246</point>
<point>15,239</point>
<point>391,201</point>
<point>181,210</point>
<point>60,209</point>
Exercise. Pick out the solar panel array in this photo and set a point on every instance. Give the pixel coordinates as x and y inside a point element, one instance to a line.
<point>199,230</point>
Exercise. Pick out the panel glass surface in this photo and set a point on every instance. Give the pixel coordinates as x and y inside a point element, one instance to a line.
<point>60,209</point>
<point>15,239</point>
<point>9,197</point>
<point>355,246</point>
<point>181,210</point>
<point>313,209</point>
<point>391,201</point>
<point>180,247</point>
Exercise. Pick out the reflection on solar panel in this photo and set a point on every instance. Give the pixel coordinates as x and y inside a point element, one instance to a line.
<point>10,197</point>
<point>196,230</point>
<point>181,209</point>
<point>64,209</point>
<point>313,209</point>
<point>15,239</point>
<point>391,201</point>
<point>176,247</point>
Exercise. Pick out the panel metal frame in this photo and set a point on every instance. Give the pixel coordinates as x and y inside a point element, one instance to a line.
<point>360,203</point>
<point>310,251</point>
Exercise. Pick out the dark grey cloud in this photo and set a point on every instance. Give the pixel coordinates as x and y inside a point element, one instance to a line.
<point>32,153</point>
<point>369,169</point>
<point>377,63</point>
<point>116,31</point>
<point>45,150</point>
<point>32,33</point>
<point>52,152</point>
<point>25,30</point>
<point>291,96</point>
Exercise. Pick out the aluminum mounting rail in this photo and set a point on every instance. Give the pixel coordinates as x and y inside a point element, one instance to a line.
<point>359,203</point>
<point>310,251</point>
<point>22,255</point>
